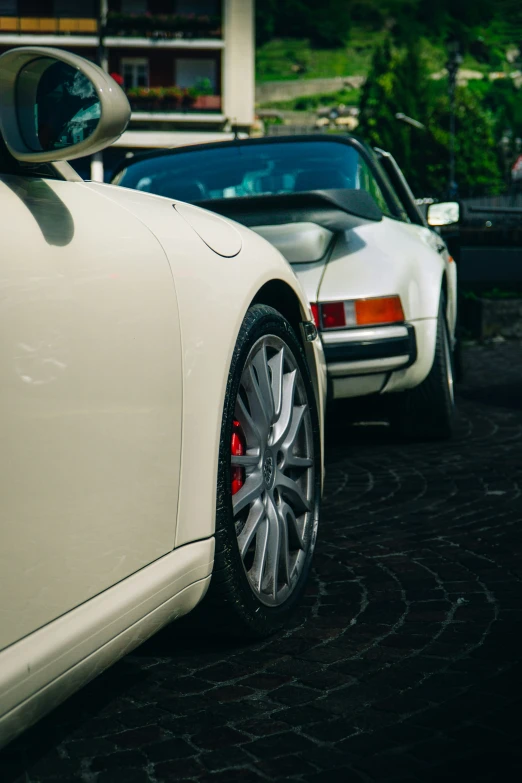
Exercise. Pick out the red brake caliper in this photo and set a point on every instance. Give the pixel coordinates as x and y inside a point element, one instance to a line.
<point>237,449</point>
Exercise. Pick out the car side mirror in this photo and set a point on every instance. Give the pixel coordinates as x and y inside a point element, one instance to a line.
<point>443,214</point>
<point>57,105</point>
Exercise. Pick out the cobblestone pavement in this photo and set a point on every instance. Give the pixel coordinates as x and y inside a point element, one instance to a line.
<point>404,664</point>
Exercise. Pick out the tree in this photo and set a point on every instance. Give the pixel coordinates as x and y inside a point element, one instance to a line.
<point>325,24</point>
<point>377,123</point>
<point>478,169</point>
<point>399,82</point>
<point>412,88</point>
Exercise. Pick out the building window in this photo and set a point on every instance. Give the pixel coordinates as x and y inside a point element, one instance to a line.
<point>72,9</point>
<point>198,7</point>
<point>191,71</point>
<point>36,8</point>
<point>135,72</point>
<point>8,8</point>
<point>134,7</point>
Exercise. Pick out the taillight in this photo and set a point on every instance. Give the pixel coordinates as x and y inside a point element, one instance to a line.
<point>361,312</point>
<point>381,310</point>
<point>332,315</point>
<point>237,449</point>
<point>315,314</point>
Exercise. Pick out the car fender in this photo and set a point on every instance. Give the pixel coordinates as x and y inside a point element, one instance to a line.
<point>214,293</point>
<point>388,257</point>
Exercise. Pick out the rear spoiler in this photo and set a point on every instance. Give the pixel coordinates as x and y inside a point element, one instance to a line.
<point>336,210</point>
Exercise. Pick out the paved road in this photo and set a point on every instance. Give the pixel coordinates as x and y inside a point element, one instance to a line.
<point>405,663</point>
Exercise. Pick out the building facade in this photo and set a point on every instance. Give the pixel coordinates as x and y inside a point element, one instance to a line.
<point>187,66</point>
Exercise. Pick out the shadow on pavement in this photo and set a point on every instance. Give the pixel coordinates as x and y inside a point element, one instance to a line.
<point>504,395</point>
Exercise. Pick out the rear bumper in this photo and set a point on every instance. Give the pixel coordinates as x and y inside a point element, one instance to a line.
<point>365,351</point>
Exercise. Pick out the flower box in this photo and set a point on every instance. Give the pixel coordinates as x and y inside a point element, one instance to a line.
<point>170,99</point>
<point>208,103</point>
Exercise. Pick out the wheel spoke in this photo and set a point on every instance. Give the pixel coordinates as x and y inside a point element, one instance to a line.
<point>291,461</point>
<point>250,430</point>
<point>259,393</point>
<point>265,385</point>
<point>283,424</point>
<point>273,548</point>
<point>255,518</point>
<point>291,525</point>
<point>245,461</point>
<point>251,489</point>
<point>284,512</point>
<point>257,571</point>
<point>276,365</point>
<point>293,430</point>
<point>293,493</point>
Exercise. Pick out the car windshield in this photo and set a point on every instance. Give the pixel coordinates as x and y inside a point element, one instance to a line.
<point>248,170</point>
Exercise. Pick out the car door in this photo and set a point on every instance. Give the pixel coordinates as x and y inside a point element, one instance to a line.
<point>90,398</point>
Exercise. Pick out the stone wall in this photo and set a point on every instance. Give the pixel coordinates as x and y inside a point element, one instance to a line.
<point>501,317</point>
<point>287,90</point>
<point>485,318</point>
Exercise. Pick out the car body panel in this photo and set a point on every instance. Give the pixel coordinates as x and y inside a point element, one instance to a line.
<point>206,285</point>
<point>392,257</point>
<point>43,669</point>
<point>381,259</point>
<point>90,359</point>
<point>426,336</point>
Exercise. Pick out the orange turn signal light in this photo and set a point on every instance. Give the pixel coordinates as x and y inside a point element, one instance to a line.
<point>378,310</point>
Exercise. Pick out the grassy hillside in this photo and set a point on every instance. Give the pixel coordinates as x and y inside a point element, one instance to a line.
<point>288,58</point>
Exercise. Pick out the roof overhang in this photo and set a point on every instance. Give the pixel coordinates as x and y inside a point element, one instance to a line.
<point>158,139</point>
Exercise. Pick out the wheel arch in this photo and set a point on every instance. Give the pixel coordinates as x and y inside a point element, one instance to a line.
<point>280,296</point>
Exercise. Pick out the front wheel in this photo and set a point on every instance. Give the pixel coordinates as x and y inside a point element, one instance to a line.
<point>268,489</point>
<point>427,411</point>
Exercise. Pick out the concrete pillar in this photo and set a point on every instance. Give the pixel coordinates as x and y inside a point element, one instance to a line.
<point>238,87</point>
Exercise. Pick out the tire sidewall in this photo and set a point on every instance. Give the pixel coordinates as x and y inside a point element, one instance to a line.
<point>444,340</point>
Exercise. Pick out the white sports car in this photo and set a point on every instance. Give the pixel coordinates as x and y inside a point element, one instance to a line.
<point>161,403</point>
<point>381,281</point>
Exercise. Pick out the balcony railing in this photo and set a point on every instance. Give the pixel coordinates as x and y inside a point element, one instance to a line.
<point>163,26</point>
<point>47,25</point>
<point>172,99</point>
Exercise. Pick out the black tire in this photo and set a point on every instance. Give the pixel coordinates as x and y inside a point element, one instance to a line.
<point>231,606</point>
<point>427,411</point>
<point>457,359</point>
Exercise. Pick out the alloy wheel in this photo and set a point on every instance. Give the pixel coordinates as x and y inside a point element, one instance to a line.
<point>273,466</point>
